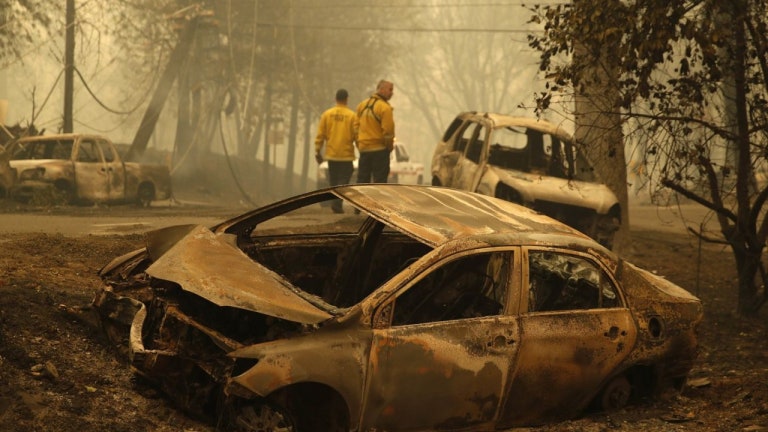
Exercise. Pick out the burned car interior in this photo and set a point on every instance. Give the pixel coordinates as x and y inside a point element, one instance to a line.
<point>51,149</point>
<point>341,262</point>
<point>559,282</point>
<point>469,287</point>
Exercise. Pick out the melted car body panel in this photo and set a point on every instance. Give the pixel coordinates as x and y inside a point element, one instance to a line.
<point>569,351</point>
<point>196,262</point>
<point>469,362</point>
<point>458,215</point>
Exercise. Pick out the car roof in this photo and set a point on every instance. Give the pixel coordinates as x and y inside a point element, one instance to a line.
<point>504,120</point>
<point>437,215</point>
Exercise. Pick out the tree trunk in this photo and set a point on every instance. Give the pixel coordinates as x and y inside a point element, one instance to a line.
<point>290,159</point>
<point>307,150</point>
<point>184,121</point>
<point>752,247</point>
<point>598,123</point>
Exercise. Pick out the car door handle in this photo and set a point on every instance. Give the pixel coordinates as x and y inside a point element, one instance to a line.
<point>614,333</point>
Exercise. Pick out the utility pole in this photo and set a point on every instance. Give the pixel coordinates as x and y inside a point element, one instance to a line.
<point>69,66</point>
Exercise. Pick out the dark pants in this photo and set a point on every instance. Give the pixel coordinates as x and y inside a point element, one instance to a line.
<point>339,173</point>
<point>373,167</point>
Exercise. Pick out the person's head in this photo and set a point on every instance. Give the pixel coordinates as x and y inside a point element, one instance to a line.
<point>342,96</point>
<point>385,89</point>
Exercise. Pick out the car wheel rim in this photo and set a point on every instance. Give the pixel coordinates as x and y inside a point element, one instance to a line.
<point>262,418</point>
<point>617,393</point>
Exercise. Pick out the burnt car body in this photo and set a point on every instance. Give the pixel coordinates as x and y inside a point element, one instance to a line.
<point>431,309</point>
<point>530,162</point>
<point>7,174</point>
<point>82,168</point>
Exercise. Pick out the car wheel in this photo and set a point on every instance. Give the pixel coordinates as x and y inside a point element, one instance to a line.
<point>63,192</point>
<point>616,394</point>
<point>262,416</point>
<point>145,195</point>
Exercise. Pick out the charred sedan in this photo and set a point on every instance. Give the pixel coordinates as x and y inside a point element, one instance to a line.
<point>433,308</point>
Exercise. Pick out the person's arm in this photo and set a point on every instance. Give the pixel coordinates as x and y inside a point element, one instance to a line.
<point>321,138</point>
<point>388,126</point>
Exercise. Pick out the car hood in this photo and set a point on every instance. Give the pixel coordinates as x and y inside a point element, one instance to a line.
<point>576,193</point>
<point>211,266</point>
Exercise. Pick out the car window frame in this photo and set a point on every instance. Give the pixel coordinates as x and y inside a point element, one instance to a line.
<point>473,152</point>
<point>383,313</point>
<point>83,149</point>
<point>450,131</point>
<point>459,137</point>
<point>597,263</point>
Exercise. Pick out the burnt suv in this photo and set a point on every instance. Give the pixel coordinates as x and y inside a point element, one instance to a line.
<point>530,162</point>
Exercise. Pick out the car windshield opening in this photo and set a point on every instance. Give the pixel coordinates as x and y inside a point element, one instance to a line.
<point>341,258</point>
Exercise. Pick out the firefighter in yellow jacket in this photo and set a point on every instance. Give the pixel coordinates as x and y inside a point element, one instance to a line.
<point>376,135</point>
<point>337,132</point>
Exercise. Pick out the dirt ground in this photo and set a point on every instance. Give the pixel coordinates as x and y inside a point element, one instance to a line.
<point>58,374</point>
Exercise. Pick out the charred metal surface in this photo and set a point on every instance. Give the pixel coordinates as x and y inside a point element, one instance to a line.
<point>195,264</point>
<point>667,319</point>
<point>434,309</point>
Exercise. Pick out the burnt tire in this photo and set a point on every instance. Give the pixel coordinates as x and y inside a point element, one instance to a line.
<point>615,394</point>
<point>145,195</point>
<point>261,416</point>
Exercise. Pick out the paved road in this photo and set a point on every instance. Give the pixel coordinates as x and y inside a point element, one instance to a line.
<point>672,219</point>
<point>78,221</point>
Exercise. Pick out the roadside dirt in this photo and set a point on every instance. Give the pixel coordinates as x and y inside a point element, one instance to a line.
<point>58,374</point>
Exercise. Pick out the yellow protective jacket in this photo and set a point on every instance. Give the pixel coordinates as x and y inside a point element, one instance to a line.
<point>376,129</point>
<point>337,130</point>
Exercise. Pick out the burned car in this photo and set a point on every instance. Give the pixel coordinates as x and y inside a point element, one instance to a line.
<point>7,174</point>
<point>431,309</point>
<point>82,168</point>
<point>530,162</point>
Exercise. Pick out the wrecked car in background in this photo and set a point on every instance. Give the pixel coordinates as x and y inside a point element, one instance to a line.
<point>530,162</point>
<point>7,174</point>
<point>431,309</point>
<point>78,168</point>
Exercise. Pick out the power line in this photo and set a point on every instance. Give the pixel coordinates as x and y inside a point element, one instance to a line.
<point>396,29</point>
<point>98,101</point>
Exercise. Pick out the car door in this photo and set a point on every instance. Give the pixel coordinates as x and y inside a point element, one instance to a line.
<point>447,162</point>
<point>443,357</point>
<point>576,329</point>
<point>471,162</point>
<point>115,171</point>
<point>91,176</point>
